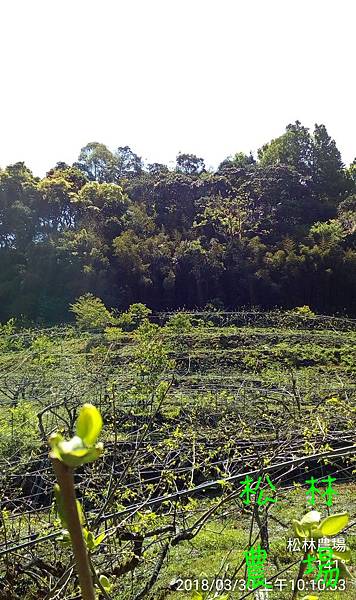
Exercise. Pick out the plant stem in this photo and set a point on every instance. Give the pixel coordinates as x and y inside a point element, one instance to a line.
<point>302,567</point>
<point>65,479</point>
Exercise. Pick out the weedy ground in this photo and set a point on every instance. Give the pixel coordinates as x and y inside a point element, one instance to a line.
<point>232,387</point>
<point>219,549</point>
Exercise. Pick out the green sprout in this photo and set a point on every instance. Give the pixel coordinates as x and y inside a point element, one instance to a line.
<point>312,526</point>
<point>81,448</point>
<point>66,455</point>
<point>105,583</point>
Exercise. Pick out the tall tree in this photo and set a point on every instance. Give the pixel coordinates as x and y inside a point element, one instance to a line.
<point>128,164</point>
<point>329,175</point>
<point>97,162</point>
<point>240,159</point>
<point>294,148</point>
<point>19,198</point>
<point>314,156</point>
<point>189,164</point>
<point>157,168</point>
<point>102,207</point>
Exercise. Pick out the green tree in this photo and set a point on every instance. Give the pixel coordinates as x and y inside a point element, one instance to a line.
<point>347,214</point>
<point>103,206</point>
<point>97,162</point>
<point>238,160</point>
<point>175,201</point>
<point>327,235</point>
<point>157,168</point>
<point>141,267</point>
<point>58,204</point>
<point>19,198</point>
<point>293,148</point>
<point>128,164</point>
<point>228,218</point>
<point>314,156</point>
<point>189,164</point>
<point>329,175</point>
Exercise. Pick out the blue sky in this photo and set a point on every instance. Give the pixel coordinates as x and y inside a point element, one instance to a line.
<point>211,77</point>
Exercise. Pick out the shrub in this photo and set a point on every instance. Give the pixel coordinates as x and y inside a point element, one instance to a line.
<point>91,313</point>
<point>178,323</point>
<point>114,334</point>
<point>17,427</point>
<point>8,340</point>
<point>133,317</point>
<point>304,311</point>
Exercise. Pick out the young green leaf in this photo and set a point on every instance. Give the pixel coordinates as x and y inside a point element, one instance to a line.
<point>300,531</point>
<point>99,539</point>
<point>89,424</point>
<point>89,539</point>
<point>334,524</point>
<point>73,452</point>
<point>79,450</point>
<point>105,583</point>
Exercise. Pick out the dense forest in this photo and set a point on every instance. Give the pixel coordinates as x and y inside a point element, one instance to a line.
<point>275,230</point>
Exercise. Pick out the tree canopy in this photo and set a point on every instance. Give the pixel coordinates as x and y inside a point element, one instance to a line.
<point>276,230</point>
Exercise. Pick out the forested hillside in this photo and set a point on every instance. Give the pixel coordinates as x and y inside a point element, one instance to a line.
<point>278,230</point>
